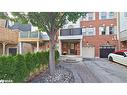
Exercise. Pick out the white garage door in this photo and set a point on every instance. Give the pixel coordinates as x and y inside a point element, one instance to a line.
<point>88,52</point>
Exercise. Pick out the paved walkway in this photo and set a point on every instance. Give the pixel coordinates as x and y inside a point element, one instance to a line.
<point>97,71</point>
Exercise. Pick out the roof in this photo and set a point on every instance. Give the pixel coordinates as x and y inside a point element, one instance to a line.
<point>44,36</point>
<point>21,27</point>
<point>120,51</point>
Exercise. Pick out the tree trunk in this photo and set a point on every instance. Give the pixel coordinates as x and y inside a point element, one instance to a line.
<point>52,57</point>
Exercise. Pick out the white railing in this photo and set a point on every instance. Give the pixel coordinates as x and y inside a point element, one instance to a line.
<point>123,35</point>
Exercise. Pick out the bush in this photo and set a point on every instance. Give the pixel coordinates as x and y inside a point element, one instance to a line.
<point>19,67</point>
<point>7,68</point>
<point>21,71</point>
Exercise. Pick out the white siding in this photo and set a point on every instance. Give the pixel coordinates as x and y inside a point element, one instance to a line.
<point>123,21</point>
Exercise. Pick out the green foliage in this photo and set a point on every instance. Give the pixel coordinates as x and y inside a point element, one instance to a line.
<point>56,55</point>
<point>19,67</point>
<point>7,67</point>
<point>21,71</point>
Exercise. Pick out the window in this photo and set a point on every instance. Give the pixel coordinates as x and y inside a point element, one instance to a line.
<point>103,30</point>
<point>90,16</point>
<point>12,51</point>
<point>125,14</point>
<point>125,53</point>
<point>111,30</point>
<point>120,53</point>
<point>90,31</point>
<point>103,15</point>
<point>111,15</point>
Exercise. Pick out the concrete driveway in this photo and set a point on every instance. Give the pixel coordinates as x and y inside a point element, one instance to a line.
<point>97,71</point>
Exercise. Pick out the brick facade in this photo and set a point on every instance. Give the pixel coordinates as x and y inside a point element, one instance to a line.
<point>99,40</point>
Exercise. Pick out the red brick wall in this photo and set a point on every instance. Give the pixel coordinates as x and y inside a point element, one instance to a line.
<point>99,40</point>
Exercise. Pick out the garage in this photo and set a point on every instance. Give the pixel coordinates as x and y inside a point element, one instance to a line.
<point>88,52</point>
<point>105,50</point>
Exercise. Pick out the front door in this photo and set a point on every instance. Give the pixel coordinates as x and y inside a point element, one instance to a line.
<point>72,48</point>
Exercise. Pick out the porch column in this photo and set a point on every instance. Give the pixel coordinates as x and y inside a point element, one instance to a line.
<point>37,46</point>
<point>4,44</point>
<point>60,47</point>
<point>20,47</point>
<point>81,47</point>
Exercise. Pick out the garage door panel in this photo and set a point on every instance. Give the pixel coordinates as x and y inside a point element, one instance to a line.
<point>88,52</point>
<point>105,50</point>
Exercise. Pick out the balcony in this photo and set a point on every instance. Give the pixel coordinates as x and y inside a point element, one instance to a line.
<point>74,33</point>
<point>123,35</point>
<point>32,36</point>
<point>8,36</point>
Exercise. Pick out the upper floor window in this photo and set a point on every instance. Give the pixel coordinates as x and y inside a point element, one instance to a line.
<point>103,30</point>
<point>125,14</point>
<point>89,31</point>
<point>111,15</point>
<point>103,15</point>
<point>111,30</point>
<point>90,16</point>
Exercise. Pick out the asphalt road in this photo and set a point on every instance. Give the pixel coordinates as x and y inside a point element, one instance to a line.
<point>97,71</point>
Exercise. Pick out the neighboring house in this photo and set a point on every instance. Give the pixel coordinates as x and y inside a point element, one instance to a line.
<point>8,40</point>
<point>123,29</point>
<point>96,36</point>
<point>29,40</point>
<point>25,41</point>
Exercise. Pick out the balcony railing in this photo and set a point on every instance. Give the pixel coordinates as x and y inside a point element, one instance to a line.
<point>29,35</point>
<point>37,35</point>
<point>123,35</point>
<point>71,32</point>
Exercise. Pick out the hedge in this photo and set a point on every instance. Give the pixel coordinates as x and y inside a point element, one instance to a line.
<point>18,68</point>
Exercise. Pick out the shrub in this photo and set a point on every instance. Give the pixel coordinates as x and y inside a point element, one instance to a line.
<point>19,67</point>
<point>7,68</point>
<point>21,71</point>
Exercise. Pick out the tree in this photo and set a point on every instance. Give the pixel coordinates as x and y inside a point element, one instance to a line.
<point>49,22</point>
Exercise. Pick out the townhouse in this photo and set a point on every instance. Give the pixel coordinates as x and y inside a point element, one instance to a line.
<point>94,36</point>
